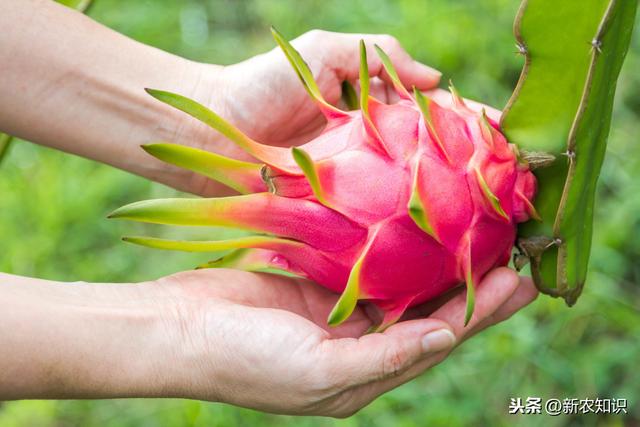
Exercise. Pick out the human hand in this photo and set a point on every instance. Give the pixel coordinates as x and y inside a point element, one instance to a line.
<point>265,99</point>
<point>254,340</point>
<point>261,341</point>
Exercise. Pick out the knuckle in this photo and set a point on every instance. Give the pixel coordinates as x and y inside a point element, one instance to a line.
<point>389,41</point>
<point>394,362</point>
<point>313,35</point>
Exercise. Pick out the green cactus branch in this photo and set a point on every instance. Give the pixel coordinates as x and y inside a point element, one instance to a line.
<point>80,5</point>
<point>562,106</point>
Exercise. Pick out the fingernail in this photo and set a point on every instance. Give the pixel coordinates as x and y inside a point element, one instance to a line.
<point>439,340</point>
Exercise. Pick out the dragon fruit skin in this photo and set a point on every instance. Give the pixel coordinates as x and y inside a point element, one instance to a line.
<point>395,204</point>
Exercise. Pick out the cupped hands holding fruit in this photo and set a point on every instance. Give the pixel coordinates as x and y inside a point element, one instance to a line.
<point>254,340</point>
<point>244,338</point>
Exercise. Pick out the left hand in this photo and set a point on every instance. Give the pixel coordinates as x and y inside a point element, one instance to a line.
<point>264,97</point>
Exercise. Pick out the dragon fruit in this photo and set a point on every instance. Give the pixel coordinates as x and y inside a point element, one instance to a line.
<point>394,204</point>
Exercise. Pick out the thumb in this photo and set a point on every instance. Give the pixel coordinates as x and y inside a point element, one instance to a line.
<point>378,356</point>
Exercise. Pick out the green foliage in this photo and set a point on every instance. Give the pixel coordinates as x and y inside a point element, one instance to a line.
<point>53,207</point>
<point>562,106</point>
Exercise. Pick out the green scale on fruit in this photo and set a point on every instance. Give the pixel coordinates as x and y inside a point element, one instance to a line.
<point>395,204</point>
<point>399,203</point>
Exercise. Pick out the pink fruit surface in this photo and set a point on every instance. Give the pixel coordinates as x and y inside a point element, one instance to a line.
<point>394,204</point>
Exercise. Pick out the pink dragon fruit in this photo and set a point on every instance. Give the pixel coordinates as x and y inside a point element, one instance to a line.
<point>395,204</point>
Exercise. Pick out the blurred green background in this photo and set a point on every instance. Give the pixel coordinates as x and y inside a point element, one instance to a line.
<point>53,206</point>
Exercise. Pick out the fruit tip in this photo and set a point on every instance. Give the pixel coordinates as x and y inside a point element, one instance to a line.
<point>381,53</point>
<point>156,93</point>
<point>334,319</point>
<point>299,155</point>
<point>469,310</point>
<point>115,214</point>
<point>467,318</point>
<point>275,33</point>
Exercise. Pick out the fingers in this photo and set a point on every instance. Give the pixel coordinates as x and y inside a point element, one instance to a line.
<point>359,367</point>
<point>523,296</point>
<point>379,356</point>
<point>346,60</point>
<point>494,290</point>
<point>380,90</point>
<point>491,296</point>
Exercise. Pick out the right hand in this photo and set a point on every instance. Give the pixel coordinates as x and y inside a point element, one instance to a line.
<point>261,341</point>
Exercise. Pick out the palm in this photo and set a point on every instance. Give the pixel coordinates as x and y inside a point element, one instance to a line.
<point>273,294</point>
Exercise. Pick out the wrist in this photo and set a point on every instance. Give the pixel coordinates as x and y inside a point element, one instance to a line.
<point>160,122</point>
<point>80,340</point>
<point>211,86</point>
